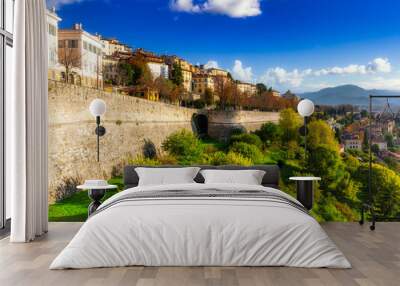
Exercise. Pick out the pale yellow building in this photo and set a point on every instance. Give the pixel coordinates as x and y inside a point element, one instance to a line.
<point>110,69</point>
<point>202,82</point>
<point>217,72</point>
<point>246,88</point>
<point>113,46</point>
<point>187,71</point>
<point>82,52</point>
<point>275,93</point>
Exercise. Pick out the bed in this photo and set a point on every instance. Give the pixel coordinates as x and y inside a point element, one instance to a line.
<point>198,224</point>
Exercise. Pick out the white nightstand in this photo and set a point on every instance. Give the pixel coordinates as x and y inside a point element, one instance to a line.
<point>305,190</point>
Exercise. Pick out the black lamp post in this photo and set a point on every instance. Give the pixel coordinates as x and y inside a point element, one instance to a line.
<point>305,109</point>
<point>97,109</point>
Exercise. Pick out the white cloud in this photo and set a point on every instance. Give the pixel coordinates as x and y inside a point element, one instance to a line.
<point>378,65</point>
<point>185,6</point>
<point>295,78</point>
<point>231,8</point>
<point>381,83</point>
<point>242,73</point>
<point>280,76</point>
<point>211,64</point>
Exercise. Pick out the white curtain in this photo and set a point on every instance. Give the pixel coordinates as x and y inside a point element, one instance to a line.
<point>26,123</point>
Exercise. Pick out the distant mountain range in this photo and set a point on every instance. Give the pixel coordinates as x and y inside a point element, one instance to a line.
<point>345,94</point>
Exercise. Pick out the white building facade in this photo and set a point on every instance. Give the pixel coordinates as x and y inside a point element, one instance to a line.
<point>158,69</point>
<point>88,49</point>
<point>52,40</point>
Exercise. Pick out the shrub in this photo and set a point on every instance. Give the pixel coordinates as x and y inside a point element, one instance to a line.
<point>237,131</point>
<point>67,187</point>
<point>118,170</point>
<point>167,160</point>
<point>251,139</point>
<point>149,149</point>
<point>233,158</point>
<point>210,149</point>
<point>143,161</point>
<point>269,132</point>
<point>217,158</point>
<point>246,150</point>
<point>184,146</point>
<point>199,104</point>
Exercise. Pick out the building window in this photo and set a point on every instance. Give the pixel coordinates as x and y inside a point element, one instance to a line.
<point>73,44</point>
<point>52,30</point>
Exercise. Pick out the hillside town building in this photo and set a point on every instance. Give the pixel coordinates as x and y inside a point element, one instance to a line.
<point>156,64</point>
<point>113,46</point>
<point>54,71</point>
<point>81,53</point>
<point>246,88</point>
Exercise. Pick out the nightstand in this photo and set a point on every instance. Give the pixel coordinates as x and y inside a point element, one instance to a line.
<point>305,190</point>
<point>96,192</point>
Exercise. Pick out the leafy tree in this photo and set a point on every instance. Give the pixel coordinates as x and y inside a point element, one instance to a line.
<point>184,146</point>
<point>375,149</point>
<point>164,87</point>
<point>141,74</point>
<point>261,88</point>
<point>125,74</point>
<point>209,96</point>
<point>176,74</point>
<point>320,133</point>
<point>269,132</point>
<point>225,90</point>
<point>389,139</point>
<point>385,186</point>
<point>364,113</point>
<point>290,122</point>
<point>392,163</point>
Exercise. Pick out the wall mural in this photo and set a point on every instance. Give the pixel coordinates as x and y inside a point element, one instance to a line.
<point>168,105</point>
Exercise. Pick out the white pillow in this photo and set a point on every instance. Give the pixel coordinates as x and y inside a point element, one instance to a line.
<point>166,176</point>
<point>247,177</point>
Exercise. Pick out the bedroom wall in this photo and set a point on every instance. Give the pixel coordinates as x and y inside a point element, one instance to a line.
<point>129,121</point>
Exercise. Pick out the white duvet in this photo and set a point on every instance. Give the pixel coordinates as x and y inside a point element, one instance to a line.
<point>200,232</point>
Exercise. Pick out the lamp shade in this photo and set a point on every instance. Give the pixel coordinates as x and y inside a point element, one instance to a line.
<point>305,107</point>
<point>97,107</point>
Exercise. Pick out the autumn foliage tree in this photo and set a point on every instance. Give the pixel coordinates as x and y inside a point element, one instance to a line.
<point>69,57</point>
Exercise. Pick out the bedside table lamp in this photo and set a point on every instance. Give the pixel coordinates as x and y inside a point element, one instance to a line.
<point>97,109</point>
<point>305,109</point>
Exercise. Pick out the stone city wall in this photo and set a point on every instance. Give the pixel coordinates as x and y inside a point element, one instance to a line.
<point>129,121</point>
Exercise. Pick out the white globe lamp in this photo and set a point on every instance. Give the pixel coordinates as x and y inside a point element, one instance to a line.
<point>305,108</point>
<point>97,108</point>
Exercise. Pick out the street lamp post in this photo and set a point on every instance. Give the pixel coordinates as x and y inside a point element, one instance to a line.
<point>97,109</point>
<point>305,109</point>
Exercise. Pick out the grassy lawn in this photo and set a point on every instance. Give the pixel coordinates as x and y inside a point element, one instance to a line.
<point>75,207</point>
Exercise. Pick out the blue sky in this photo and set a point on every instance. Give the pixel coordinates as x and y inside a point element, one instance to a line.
<point>300,45</point>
